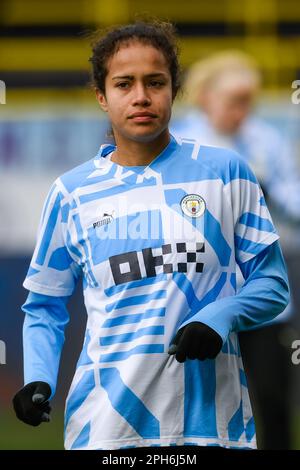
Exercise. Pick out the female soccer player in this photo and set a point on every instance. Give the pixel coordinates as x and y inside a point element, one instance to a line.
<point>155,226</point>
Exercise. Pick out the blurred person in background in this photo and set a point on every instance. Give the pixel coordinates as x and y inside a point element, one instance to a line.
<point>220,92</point>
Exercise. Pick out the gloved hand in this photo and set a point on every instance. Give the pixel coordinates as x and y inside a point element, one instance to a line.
<point>31,403</point>
<point>196,341</point>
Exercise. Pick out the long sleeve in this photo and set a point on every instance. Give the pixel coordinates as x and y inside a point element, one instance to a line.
<point>263,296</point>
<point>43,337</point>
<point>51,280</point>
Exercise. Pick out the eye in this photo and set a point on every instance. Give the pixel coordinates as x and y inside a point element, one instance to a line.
<point>156,83</point>
<point>122,85</point>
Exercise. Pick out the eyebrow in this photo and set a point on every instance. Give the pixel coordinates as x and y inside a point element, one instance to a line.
<point>131,77</point>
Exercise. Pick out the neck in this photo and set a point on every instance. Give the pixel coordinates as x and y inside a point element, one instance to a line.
<point>132,153</point>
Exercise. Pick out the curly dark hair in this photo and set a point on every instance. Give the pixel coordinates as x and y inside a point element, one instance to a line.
<point>159,34</point>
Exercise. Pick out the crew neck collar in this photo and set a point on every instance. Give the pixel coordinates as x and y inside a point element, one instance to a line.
<point>106,150</point>
<point>109,157</point>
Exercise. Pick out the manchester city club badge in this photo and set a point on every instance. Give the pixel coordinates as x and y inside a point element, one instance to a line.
<point>193,205</point>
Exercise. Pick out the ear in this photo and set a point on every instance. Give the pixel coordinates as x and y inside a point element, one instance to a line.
<point>100,96</point>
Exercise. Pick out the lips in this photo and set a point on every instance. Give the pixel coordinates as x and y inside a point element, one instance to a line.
<point>142,116</point>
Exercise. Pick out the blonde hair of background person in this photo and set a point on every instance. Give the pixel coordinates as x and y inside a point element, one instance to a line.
<point>205,74</point>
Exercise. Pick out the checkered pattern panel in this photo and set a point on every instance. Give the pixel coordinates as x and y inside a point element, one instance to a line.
<point>186,252</point>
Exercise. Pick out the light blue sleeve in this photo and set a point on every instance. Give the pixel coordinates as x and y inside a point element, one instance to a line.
<point>54,268</point>
<point>263,296</point>
<point>43,337</point>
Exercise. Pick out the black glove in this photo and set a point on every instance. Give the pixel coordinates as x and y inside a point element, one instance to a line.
<point>31,403</point>
<point>196,341</point>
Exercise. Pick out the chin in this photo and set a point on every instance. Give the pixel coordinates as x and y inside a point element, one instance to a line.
<point>230,130</point>
<point>145,137</point>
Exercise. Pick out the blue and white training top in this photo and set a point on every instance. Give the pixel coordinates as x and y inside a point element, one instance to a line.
<point>156,245</point>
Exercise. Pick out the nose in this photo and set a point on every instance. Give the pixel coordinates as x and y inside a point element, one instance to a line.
<point>141,96</point>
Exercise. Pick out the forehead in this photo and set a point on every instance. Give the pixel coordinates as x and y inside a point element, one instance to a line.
<point>236,83</point>
<point>137,58</point>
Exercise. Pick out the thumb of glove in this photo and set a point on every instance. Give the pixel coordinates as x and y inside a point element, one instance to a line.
<point>173,346</point>
<point>41,393</point>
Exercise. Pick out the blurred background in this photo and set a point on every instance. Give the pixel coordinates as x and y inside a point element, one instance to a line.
<point>51,122</point>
